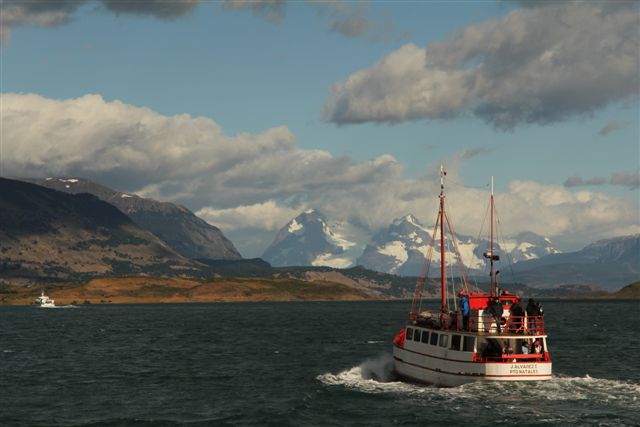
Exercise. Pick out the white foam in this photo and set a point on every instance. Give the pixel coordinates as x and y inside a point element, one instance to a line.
<point>376,376</point>
<point>371,376</point>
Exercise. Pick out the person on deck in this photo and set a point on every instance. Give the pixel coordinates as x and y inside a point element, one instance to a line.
<point>533,311</point>
<point>496,310</point>
<point>537,346</point>
<point>517,316</point>
<point>464,307</point>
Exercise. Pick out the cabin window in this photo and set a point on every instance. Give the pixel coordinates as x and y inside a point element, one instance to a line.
<point>434,339</point>
<point>409,333</point>
<point>443,340</point>
<point>455,342</point>
<point>425,337</point>
<point>416,335</point>
<point>467,343</point>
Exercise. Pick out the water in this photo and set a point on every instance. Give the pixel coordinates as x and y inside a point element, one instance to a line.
<point>293,364</point>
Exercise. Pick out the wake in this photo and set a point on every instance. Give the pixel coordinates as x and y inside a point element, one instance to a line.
<point>376,375</point>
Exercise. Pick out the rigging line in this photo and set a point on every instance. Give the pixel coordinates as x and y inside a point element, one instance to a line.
<point>484,220</point>
<point>453,282</point>
<point>426,276</point>
<point>417,295</point>
<point>509,258</point>
<point>459,257</point>
<point>455,244</point>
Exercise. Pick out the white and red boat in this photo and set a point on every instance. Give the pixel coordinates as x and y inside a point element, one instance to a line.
<point>495,341</point>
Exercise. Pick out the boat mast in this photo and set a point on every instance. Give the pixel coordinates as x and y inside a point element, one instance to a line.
<point>443,287</point>
<point>491,278</point>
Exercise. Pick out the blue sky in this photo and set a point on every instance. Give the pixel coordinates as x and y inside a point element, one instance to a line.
<point>249,73</point>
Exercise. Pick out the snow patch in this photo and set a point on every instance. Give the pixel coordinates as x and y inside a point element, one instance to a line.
<point>294,226</point>
<point>124,196</point>
<point>71,180</point>
<point>331,260</point>
<point>524,246</point>
<point>395,249</point>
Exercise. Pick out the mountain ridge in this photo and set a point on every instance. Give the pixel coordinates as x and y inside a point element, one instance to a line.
<point>181,229</point>
<point>50,235</point>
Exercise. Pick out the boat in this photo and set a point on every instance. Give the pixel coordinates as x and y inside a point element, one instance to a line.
<point>44,301</point>
<point>490,337</point>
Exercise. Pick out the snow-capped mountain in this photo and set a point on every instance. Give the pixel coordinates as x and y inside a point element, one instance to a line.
<point>527,245</point>
<point>402,247</point>
<point>309,239</point>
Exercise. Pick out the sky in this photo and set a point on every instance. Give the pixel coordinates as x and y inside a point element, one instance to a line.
<point>250,112</point>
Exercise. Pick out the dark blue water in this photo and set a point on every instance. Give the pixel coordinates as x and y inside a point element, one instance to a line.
<point>293,364</point>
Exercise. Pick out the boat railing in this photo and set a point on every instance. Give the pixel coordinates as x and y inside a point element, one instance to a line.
<point>512,358</point>
<point>485,324</point>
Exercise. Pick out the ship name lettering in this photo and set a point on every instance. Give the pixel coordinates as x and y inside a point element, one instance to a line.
<point>523,369</point>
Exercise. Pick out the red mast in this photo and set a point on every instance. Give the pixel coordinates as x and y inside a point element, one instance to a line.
<point>443,285</point>
<point>491,274</point>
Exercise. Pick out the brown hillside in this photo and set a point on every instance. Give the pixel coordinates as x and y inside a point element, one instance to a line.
<point>127,290</point>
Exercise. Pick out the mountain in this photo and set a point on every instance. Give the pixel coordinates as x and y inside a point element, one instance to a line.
<point>402,247</point>
<point>609,263</point>
<point>527,245</point>
<point>50,235</point>
<point>309,239</point>
<point>180,228</point>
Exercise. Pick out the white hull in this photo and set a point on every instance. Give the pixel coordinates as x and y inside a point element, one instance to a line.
<point>450,368</point>
<point>44,301</point>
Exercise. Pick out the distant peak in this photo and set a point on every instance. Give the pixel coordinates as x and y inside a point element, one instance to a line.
<point>409,218</point>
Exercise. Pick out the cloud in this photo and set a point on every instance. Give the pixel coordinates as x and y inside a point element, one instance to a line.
<point>626,179</point>
<point>577,181</point>
<point>353,19</point>
<point>469,153</point>
<point>612,126</point>
<point>266,216</point>
<point>350,19</point>
<point>47,13</point>
<point>162,9</point>
<point>536,65</point>
<point>271,10</point>
<point>252,184</point>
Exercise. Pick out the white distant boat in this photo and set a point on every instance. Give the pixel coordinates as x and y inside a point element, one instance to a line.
<point>493,341</point>
<point>44,301</point>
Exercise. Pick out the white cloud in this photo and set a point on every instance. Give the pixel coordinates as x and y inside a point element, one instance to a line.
<point>536,65</point>
<point>258,182</point>
<point>266,216</point>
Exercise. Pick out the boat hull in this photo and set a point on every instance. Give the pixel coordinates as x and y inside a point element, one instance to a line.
<point>444,372</point>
